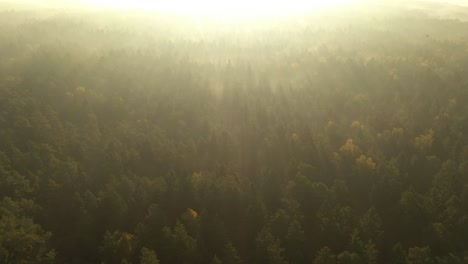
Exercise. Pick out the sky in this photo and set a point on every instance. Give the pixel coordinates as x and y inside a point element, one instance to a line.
<point>225,7</point>
<point>216,8</point>
<point>455,2</point>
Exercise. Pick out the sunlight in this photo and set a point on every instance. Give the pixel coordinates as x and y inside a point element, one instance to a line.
<point>220,8</point>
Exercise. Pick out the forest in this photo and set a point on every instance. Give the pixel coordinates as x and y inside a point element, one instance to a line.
<point>337,137</point>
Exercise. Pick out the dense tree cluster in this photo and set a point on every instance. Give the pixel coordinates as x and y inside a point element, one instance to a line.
<point>134,138</point>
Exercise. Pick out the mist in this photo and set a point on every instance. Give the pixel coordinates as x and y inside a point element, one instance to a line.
<point>331,135</point>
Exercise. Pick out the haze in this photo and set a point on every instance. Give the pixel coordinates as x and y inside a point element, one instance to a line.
<point>264,132</point>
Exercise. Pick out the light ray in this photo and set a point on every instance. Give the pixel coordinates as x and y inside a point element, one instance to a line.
<point>221,8</point>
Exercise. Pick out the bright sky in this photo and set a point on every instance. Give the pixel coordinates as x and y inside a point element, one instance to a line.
<point>455,2</point>
<point>222,8</point>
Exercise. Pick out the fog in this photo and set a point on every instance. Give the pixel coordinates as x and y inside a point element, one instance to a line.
<point>336,135</point>
<point>88,3</point>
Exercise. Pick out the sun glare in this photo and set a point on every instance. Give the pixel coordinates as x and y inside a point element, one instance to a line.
<point>222,8</point>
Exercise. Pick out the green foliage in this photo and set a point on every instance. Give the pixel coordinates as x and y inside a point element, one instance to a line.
<point>268,248</point>
<point>116,247</point>
<point>325,256</point>
<point>148,256</point>
<point>216,260</point>
<point>419,255</point>
<point>21,239</point>
<point>157,138</point>
<point>294,243</point>
<point>230,255</point>
<point>180,247</point>
<point>336,223</point>
<point>347,257</point>
<point>371,253</point>
<point>370,226</point>
<point>398,254</point>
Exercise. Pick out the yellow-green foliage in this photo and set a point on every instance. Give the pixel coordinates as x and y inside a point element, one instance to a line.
<point>349,148</point>
<point>424,141</point>
<point>365,163</point>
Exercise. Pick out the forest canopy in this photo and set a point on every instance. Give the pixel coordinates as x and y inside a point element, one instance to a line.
<point>329,138</point>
